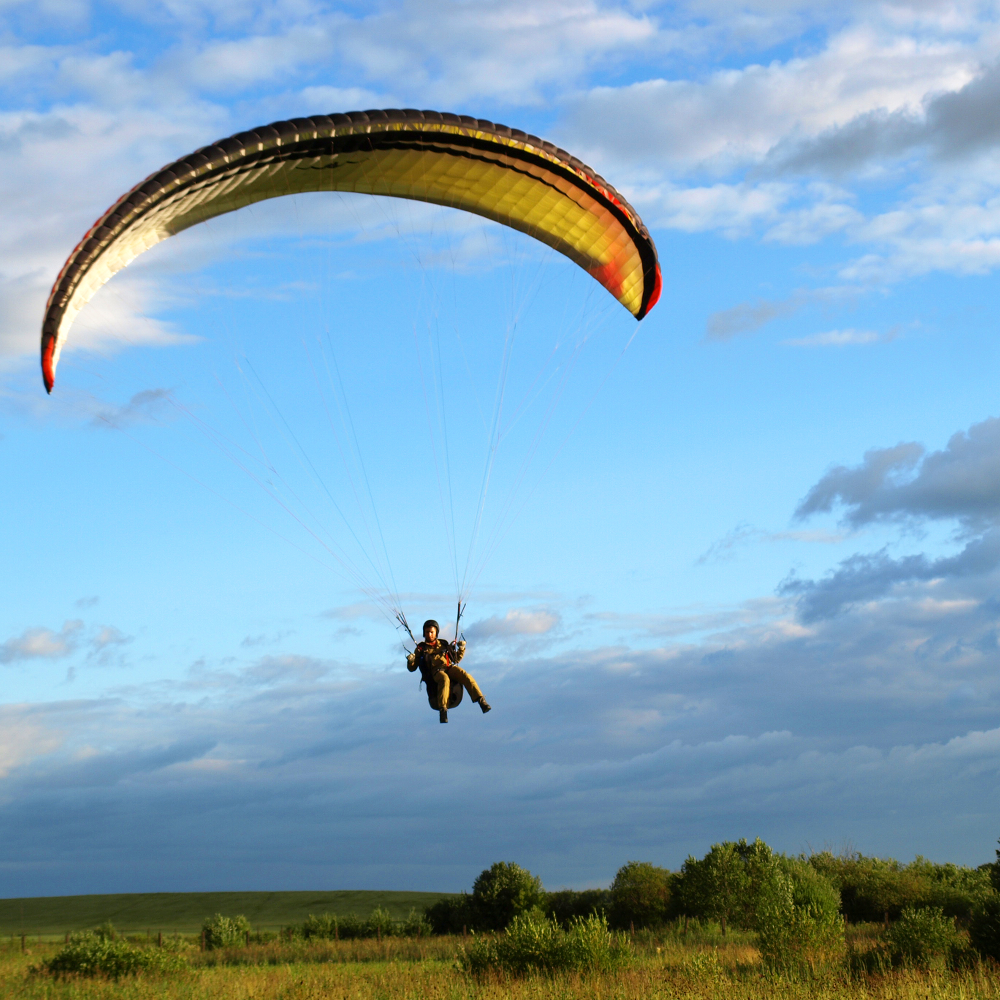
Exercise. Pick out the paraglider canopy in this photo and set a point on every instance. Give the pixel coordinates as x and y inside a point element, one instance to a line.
<point>467,163</point>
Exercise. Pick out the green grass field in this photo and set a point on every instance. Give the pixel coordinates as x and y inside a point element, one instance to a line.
<point>669,968</point>
<point>183,912</point>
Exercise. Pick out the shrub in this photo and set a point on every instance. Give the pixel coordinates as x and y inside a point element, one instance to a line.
<point>415,925</point>
<point>224,932</point>
<point>810,888</point>
<point>537,944</point>
<point>323,927</point>
<point>923,939</point>
<point>984,928</point>
<point>380,924</point>
<point>590,947</point>
<point>640,895</point>
<point>96,954</point>
<point>800,939</point>
<point>502,892</point>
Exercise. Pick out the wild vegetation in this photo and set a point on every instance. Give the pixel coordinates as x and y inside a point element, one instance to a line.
<point>741,921</point>
<point>184,912</point>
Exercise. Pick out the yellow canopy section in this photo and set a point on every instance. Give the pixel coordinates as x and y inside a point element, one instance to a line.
<point>465,163</point>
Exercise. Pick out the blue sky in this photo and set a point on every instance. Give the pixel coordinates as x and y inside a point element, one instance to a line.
<point>751,584</point>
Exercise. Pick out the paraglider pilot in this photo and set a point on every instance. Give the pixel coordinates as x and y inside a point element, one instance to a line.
<point>437,659</point>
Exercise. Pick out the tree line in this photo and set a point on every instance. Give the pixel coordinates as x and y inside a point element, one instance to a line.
<point>729,885</point>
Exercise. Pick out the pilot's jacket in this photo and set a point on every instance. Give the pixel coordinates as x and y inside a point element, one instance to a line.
<point>438,665</point>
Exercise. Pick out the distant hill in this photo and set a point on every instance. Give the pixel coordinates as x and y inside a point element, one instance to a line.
<point>183,912</point>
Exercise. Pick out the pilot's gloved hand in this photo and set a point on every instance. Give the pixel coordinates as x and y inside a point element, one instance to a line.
<point>461,645</point>
<point>411,661</point>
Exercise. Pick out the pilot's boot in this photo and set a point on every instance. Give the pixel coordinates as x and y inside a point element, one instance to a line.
<point>484,705</point>
<point>443,715</point>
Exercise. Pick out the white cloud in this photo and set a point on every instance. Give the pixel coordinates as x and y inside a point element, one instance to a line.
<point>754,614</point>
<point>42,643</point>
<point>23,737</point>
<point>835,338</point>
<point>755,150</point>
<point>960,481</point>
<point>454,53</point>
<point>518,623</point>
<point>737,116</point>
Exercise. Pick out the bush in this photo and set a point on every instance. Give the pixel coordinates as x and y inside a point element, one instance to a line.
<point>224,932</point>
<point>923,939</point>
<point>96,954</point>
<point>800,939</point>
<point>415,925</point>
<point>640,895</point>
<point>590,947</point>
<point>984,928</point>
<point>537,944</point>
<point>323,927</point>
<point>502,892</point>
<point>811,889</point>
<point>380,924</point>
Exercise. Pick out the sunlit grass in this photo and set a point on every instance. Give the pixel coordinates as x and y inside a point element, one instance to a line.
<point>666,965</point>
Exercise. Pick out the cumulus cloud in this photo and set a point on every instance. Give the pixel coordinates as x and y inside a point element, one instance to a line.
<point>738,116</point>
<point>100,643</point>
<point>517,624</point>
<point>42,643</point>
<point>108,635</point>
<point>853,728</point>
<point>953,125</point>
<point>960,481</point>
<point>107,643</point>
<point>906,484</point>
<point>869,577</point>
<point>497,50</point>
<point>24,737</point>
<point>778,151</point>
<point>858,705</point>
<point>704,154</point>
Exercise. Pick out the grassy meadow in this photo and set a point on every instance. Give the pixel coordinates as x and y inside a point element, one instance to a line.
<point>743,923</point>
<point>671,964</point>
<point>183,912</point>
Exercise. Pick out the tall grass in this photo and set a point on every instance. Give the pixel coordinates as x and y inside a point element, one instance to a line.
<point>663,968</point>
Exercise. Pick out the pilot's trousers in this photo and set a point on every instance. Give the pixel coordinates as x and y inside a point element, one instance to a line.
<point>455,675</point>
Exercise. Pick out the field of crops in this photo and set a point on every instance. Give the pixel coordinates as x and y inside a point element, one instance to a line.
<point>664,966</point>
